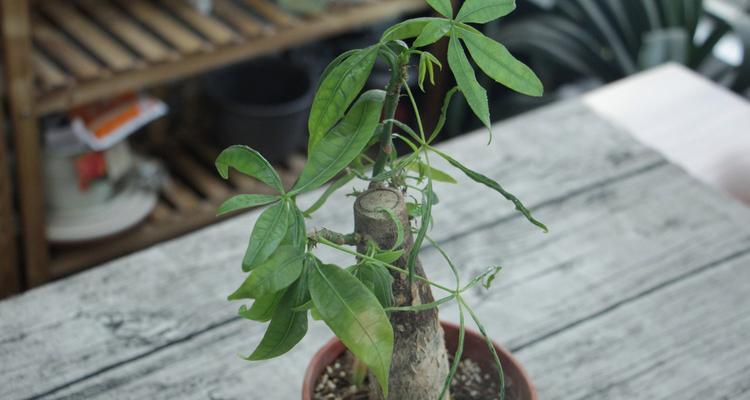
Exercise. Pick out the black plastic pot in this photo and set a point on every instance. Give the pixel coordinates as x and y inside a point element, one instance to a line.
<point>263,104</point>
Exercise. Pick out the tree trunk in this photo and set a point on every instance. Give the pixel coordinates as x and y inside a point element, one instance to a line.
<point>420,362</point>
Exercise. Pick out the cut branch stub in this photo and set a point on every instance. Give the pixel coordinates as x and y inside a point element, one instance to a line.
<point>420,362</point>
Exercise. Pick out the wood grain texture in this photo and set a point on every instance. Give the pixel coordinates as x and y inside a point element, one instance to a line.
<point>107,344</point>
<point>87,33</point>
<point>125,29</point>
<point>19,78</point>
<point>10,282</point>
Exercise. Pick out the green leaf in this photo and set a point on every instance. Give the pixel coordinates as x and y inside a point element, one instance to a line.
<point>432,32</point>
<point>399,228</point>
<point>242,201</point>
<point>287,327</point>
<point>297,232</point>
<point>406,29</point>
<point>479,178</point>
<point>268,232</point>
<point>424,223</point>
<point>497,62</point>
<point>332,188</point>
<point>343,143</point>
<point>335,63</point>
<point>250,163</point>
<point>444,7</point>
<point>484,11</point>
<point>443,114</point>
<point>434,173</point>
<point>338,91</point>
<point>355,315</point>
<point>263,308</point>
<point>466,79</point>
<point>388,257</point>
<point>377,279</point>
<point>276,273</point>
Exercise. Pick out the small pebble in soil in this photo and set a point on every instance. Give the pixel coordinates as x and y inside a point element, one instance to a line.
<point>471,382</point>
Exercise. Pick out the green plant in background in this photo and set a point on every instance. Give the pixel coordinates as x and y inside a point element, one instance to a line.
<point>286,279</point>
<point>609,39</point>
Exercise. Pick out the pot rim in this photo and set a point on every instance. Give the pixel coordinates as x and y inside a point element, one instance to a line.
<point>335,347</point>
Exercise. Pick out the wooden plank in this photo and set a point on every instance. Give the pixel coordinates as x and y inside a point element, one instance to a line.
<point>179,195</point>
<point>121,25</point>
<point>10,282</point>
<point>158,74</point>
<point>19,76</point>
<point>53,42</point>
<point>208,26</point>
<point>537,295</point>
<point>689,341</point>
<point>241,20</point>
<point>273,13</point>
<point>210,185</point>
<point>167,27</point>
<point>49,74</point>
<point>85,32</point>
<point>717,158</point>
<point>210,257</point>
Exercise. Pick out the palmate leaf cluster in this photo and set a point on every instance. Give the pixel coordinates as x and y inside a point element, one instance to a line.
<point>286,281</point>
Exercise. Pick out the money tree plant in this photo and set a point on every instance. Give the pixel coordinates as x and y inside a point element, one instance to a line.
<point>381,307</point>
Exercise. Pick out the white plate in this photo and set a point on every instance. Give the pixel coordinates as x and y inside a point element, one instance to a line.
<point>127,207</point>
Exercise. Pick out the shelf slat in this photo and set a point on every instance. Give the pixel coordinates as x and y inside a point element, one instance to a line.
<point>239,19</point>
<point>208,26</point>
<point>89,35</point>
<point>69,55</point>
<point>304,31</point>
<point>273,13</point>
<point>165,25</point>
<point>125,29</point>
<point>48,73</point>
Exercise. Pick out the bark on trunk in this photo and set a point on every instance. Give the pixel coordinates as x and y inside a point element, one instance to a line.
<point>420,362</point>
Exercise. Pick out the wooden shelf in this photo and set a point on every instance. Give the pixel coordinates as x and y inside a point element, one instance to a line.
<point>90,49</point>
<point>187,202</point>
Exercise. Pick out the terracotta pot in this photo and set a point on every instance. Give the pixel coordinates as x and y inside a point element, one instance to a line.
<point>517,380</point>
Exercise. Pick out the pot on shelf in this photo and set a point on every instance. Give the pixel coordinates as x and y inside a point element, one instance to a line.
<point>263,104</point>
<point>518,384</point>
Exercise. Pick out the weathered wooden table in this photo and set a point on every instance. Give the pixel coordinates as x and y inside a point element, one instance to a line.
<point>640,291</point>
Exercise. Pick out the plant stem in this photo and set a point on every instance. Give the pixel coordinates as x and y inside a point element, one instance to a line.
<point>351,239</point>
<point>393,92</point>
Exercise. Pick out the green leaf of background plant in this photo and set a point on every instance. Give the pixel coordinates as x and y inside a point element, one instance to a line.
<point>242,201</point>
<point>268,232</point>
<point>287,327</point>
<point>484,11</point>
<point>337,91</point>
<point>434,173</point>
<point>263,308</point>
<point>407,29</point>
<point>466,79</point>
<point>250,163</point>
<point>444,7</point>
<point>497,62</point>
<point>343,143</point>
<point>377,279</point>
<point>355,315</point>
<point>272,275</point>
<point>432,32</point>
<point>479,178</point>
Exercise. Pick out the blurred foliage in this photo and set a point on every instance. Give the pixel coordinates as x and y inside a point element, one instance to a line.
<point>610,39</point>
